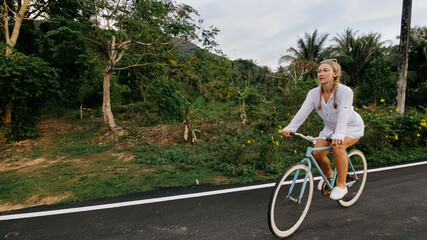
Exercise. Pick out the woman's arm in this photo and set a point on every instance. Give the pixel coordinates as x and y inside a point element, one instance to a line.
<point>302,114</point>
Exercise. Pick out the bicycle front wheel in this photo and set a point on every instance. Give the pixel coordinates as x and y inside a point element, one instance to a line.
<point>290,200</point>
<point>356,177</point>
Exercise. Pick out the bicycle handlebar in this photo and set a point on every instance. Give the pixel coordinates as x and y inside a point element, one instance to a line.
<point>310,138</point>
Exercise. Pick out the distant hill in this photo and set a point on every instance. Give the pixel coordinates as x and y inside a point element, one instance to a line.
<point>184,47</point>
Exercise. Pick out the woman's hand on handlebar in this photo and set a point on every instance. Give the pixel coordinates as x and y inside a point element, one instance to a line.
<point>287,133</point>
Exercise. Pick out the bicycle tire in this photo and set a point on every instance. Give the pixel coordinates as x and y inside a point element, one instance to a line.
<point>285,214</point>
<point>358,160</point>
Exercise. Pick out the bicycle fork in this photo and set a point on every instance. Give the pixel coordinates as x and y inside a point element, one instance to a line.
<point>304,184</point>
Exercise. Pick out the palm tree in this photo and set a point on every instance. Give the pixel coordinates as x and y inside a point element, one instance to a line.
<point>355,52</point>
<point>417,63</point>
<point>418,52</point>
<point>310,51</point>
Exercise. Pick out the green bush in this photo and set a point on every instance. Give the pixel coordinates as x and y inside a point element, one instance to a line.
<point>27,83</point>
<point>165,100</point>
<point>378,84</point>
<point>388,131</point>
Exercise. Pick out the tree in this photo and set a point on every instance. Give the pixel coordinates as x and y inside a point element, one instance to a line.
<point>67,32</point>
<point>378,84</point>
<point>12,37</point>
<point>191,110</point>
<point>15,13</point>
<point>309,52</point>
<point>242,97</point>
<point>137,33</point>
<point>418,53</point>
<point>417,68</point>
<point>402,66</point>
<point>355,52</point>
<point>204,73</point>
<point>31,81</point>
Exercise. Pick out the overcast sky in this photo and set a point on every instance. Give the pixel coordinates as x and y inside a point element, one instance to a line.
<point>262,30</point>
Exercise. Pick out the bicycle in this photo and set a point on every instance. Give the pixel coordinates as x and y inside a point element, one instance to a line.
<point>293,192</point>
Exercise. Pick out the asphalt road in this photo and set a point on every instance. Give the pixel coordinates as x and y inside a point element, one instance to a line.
<point>393,206</point>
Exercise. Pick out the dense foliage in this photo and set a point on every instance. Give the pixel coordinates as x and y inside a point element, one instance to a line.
<point>61,57</point>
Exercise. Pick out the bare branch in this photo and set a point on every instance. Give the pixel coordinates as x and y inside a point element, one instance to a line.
<point>124,44</point>
<point>18,21</point>
<point>6,22</point>
<point>133,65</point>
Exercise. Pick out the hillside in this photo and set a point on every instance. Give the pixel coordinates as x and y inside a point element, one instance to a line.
<point>72,157</point>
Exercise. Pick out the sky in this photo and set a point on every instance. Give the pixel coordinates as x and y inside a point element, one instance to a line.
<point>262,30</point>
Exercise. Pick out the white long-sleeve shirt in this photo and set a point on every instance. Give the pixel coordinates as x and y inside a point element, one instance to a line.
<point>339,123</point>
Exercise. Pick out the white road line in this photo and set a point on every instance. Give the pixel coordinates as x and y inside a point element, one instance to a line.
<point>165,199</point>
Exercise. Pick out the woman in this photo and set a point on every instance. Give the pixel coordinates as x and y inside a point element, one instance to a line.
<point>333,102</point>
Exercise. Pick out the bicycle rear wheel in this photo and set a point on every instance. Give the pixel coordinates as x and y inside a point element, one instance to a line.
<point>287,210</point>
<point>356,177</point>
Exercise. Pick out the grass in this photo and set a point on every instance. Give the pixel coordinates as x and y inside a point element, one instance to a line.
<point>75,160</point>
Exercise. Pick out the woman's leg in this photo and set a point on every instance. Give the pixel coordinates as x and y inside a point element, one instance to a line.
<point>341,161</point>
<point>321,158</point>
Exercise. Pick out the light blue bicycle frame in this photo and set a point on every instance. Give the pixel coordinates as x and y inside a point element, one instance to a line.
<point>309,159</point>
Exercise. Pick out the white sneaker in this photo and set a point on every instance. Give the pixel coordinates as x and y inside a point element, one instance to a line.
<point>338,193</point>
<point>320,184</point>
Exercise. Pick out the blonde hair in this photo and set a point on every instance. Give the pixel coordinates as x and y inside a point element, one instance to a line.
<point>337,69</point>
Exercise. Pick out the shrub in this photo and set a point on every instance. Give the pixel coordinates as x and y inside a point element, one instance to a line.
<point>388,130</point>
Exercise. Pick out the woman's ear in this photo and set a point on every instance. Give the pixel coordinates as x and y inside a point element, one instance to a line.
<point>335,75</point>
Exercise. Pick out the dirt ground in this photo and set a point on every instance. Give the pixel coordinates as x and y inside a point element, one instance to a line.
<point>163,134</point>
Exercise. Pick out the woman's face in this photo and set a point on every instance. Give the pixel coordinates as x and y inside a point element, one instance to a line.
<point>325,73</point>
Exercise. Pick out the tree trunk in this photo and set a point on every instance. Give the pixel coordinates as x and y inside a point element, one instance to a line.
<point>106,103</point>
<point>402,67</point>
<point>7,114</point>
<point>243,116</point>
<point>189,134</point>
<point>11,41</point>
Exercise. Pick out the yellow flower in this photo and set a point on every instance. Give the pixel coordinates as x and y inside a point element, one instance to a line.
<point>261,131</point>
<point>243,145</point>
<point>411,117</point>
<point>396,137</point>
<point>379,117</point>
<point>235,139</point>
<point>281,136</point>
<point>280,130</point>
<point>295,151</point>
<point>277,143</point>
<point>391,111</point>
<point>356,109</point>
<point>280,126</point>
<point>382,100</point>
<point>424,124</point>
<point>253,140</point>
<point>386,136</point>
<point>249,141</point>
<point>272,138</point>
<point>173,62</point>
<point>397,109</point>
<point>418,134</point>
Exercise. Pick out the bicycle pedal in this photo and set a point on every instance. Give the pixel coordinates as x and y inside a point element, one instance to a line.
<point>325,190</point>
